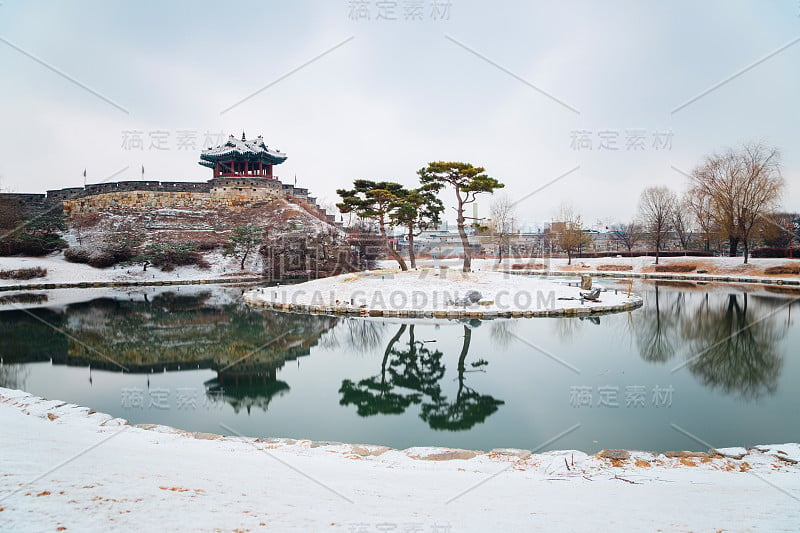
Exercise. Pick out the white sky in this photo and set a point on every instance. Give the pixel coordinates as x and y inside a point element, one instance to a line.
<point>400,93</point>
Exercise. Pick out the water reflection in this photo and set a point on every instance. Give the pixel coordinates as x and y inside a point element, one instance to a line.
<point>733,346</point>
<point>731,341</point>
<point>412,375</point>
<point>728,340</point>
<point>169,331</point>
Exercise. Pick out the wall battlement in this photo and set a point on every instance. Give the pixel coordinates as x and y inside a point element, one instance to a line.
<point>216,193</point>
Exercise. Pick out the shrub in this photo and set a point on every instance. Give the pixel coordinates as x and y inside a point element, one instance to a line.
<point>102,260</point>
<point>675,268</point>
<point>38,245</point>
<point>777,253</point>
<point>169,255</point>
<point>77,254</point>
<point>208,245</point>
<point>24,273</point>
<point>783,269</point>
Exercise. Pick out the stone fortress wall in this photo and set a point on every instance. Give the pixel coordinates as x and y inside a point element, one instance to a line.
<point>217,193</point>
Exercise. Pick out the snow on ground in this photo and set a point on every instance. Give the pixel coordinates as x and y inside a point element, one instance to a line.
<point>714,265</point>
<point>440,289</point>
<point>66,468</point>
<point>55,298</point>
<point>59,270</point>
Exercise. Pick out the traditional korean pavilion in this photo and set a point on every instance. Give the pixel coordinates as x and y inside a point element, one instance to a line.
<point>242,158</point>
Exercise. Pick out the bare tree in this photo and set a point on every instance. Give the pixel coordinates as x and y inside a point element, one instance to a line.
<point>760,189</point>
<point>628,234</point>
<point>568,231</point>
<point>502,223</point>
<point>700,207</point>
<point>657,208</point>
<point>741,187</point>
<point>682,222</point>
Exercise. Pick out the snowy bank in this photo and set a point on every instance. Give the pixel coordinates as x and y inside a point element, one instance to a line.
<point>705,269</point>
<point>66,467</point>
<point>62,274</point>
<point>439,293</point>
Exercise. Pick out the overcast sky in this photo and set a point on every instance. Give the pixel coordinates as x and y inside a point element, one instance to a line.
<point>521,88</point>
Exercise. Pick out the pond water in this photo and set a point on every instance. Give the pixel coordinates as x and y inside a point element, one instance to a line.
<point>696,366</point>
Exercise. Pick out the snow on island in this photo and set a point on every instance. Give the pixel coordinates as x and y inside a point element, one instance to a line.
<point>440,293</point>
<point>67,468</point>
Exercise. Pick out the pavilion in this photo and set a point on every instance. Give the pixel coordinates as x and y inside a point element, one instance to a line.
<point>242,158</point>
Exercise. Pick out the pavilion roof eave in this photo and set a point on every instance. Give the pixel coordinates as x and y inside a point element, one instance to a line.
<point>226,156</point>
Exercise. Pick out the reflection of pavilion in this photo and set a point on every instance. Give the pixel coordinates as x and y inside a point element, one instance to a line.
<point>245,390</point>
<point>170,331</point>
<point>252,381</point>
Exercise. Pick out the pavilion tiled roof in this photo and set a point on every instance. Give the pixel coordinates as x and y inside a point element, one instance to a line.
<point>242,149</point>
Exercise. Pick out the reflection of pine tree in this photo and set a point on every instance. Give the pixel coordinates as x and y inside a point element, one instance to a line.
<point>734,349</point>
<point>420,370</point>
<point>469,408</point>
<point>374,395</point>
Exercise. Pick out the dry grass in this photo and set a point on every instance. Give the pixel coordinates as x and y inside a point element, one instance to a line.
<point>782,269</point>
<point>24,273</point>
<point>678,267</point>
<point>615,268</point>
<point>23,298</point>
<point>528,266</point>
